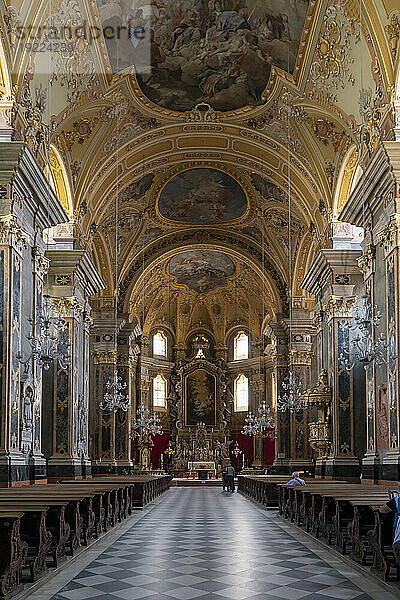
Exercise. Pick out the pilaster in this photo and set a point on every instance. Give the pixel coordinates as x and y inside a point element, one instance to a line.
<point>72,280</point>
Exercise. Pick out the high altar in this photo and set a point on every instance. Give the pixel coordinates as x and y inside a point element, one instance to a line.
<point>200,408</point>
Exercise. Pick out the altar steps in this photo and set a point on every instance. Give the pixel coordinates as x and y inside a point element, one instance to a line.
<point>184,482</point>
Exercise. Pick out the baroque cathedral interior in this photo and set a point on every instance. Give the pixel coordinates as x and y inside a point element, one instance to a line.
<point>199,294</point>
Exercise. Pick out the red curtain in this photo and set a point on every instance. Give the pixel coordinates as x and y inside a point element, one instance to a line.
<point>269,448</point>
<point>245,443</point>
<point>160,445</point>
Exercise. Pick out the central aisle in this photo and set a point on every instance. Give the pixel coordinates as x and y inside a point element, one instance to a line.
<point>203,543</point>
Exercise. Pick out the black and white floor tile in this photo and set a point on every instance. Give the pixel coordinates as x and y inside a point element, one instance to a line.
<point>204,543</point>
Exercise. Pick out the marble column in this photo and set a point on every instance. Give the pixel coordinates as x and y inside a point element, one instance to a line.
<point>370,461</point>
<point>278,354</point>
<point>389,240</point>
<point>13,245</point>
<point>104,364</point>
<point>72,280</point>
<point>300,358</point>
<point>126,364</point>
<point>333,278</point>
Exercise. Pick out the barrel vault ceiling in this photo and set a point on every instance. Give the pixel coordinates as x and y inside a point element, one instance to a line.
<point>276,130</point>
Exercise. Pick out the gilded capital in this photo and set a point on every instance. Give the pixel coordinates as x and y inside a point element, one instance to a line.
<point>40,262</point>
<point>12,234</point>
<point>104,357</point>
<point>389,237</point>
<point>339,307</point>
<point>366,262</point>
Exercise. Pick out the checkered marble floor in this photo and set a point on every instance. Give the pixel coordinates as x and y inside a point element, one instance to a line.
<point>204,543</point>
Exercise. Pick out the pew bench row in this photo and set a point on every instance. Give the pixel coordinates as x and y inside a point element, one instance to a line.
<point>40,525</point>
<point>347,518</point>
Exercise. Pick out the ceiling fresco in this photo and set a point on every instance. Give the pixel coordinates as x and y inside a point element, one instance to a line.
<point>201,270</point>
<point>202,196</point>
<point>292,88</point>
<point>220,52</point>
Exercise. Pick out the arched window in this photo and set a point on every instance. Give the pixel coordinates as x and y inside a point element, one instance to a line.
<point>159,392</point>
<point>241,393</point>
<point>241,346</point>
<point>159,344</point>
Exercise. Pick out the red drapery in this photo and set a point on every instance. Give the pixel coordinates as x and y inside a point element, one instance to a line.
<point>269,448</point>
<point>246,445</point>
<point>160,445</point>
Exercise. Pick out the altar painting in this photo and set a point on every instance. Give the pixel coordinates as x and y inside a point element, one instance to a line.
<point>200,398</point>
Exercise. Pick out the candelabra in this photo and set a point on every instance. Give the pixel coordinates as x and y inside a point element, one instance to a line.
<point>256,425</point>
<point>237,451</point>
<point>292,400</point>
<point>365,349</point>
<point>114,397</point>
<point>48,342</point>
<point>145,426</point>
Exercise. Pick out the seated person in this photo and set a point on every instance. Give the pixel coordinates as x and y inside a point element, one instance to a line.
<point>296,480</point>
<point>393,505</point>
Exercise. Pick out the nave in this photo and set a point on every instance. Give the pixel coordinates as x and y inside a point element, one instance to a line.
<point>203,543</point>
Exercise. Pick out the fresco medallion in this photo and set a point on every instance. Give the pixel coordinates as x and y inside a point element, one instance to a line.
<point>202,196</point>
<point>214,51</point>
<point>201,270</point>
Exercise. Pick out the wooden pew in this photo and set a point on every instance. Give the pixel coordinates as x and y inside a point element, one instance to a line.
<point>13,552</point>
<point>263,488</point>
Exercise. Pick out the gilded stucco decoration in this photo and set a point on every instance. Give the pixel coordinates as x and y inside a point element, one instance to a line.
<point>393,33</point>
<point>335,58</point>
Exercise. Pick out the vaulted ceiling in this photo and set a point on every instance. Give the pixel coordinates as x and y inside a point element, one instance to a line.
<point>241,139</point>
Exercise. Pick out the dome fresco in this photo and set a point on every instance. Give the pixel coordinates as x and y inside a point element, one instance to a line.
<point>220,52</point>
<point>202,196</point>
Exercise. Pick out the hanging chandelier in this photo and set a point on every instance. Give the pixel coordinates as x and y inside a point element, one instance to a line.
<point>114,397</point>
<point>365,350</point>
<point>47,342</point>
<point>255,425</point>
<point>146,424</point>
<point>292,400</point>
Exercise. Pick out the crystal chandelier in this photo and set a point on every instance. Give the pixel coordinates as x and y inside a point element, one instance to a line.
<point>258,424</point>
<point>47,342</point>
<point>114,397</point>
<point>146,423</point>
<point>292,400</point>
<point>365,350</point>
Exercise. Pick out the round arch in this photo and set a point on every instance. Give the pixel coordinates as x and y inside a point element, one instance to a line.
<point>349,175</point>
<point>58,178</point>
<point>155,253</point>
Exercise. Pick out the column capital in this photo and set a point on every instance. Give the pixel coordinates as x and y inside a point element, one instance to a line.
<point>366,262</point>
<point>12,234</point>
<point>339,307</point>
<point>389,236</point>
<point>107,357</point>
<point>40,262</point>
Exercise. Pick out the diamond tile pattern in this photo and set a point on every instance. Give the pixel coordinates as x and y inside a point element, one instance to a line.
<point>203,543</point>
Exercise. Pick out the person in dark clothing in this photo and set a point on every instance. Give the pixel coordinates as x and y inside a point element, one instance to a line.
<point>394,506</point>
<point>230,477</point>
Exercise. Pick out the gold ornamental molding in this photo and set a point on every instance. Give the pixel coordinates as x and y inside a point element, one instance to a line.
<point>339,307</point>
<point>12,234</point>
<point>389,237</point>
<point>41,264</point>
<point>104,357</point>
<point>69,306</point>
<point>366,262</point>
